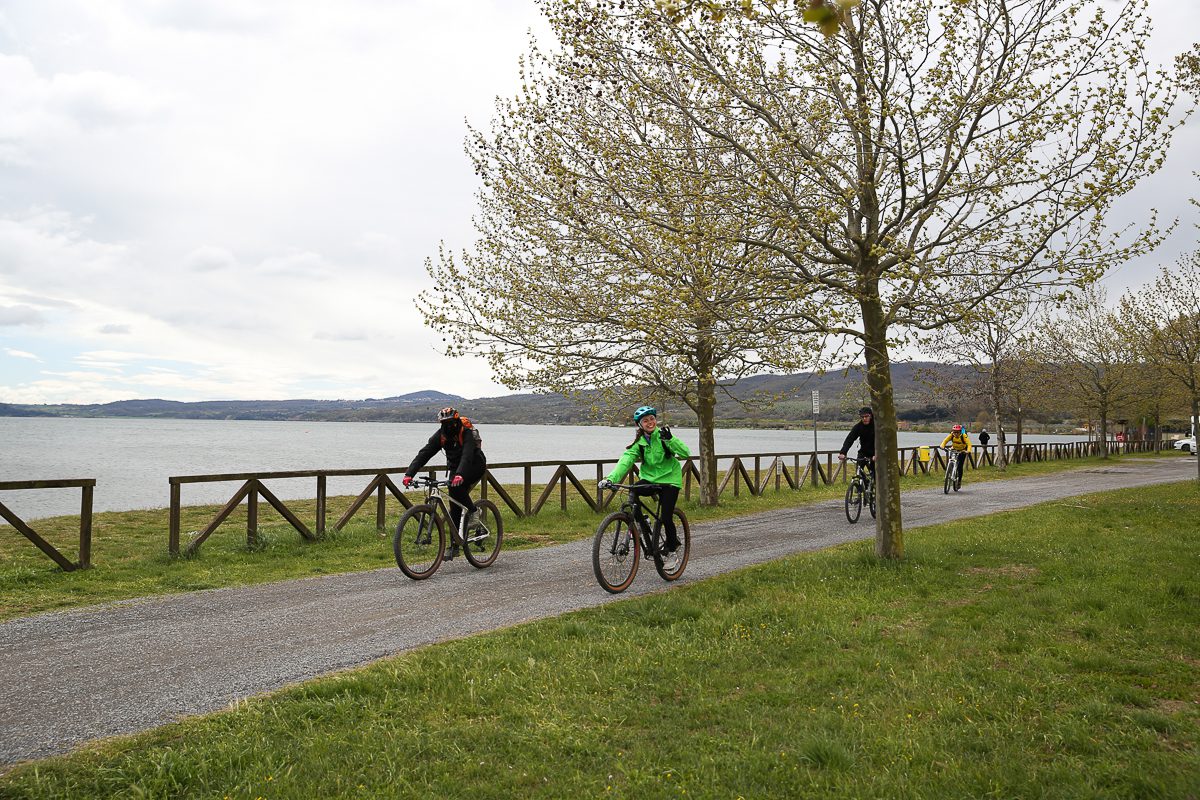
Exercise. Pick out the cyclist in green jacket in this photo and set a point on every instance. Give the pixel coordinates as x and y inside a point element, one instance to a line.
<point>658,451</point>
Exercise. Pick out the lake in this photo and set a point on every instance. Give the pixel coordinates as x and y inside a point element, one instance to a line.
<point>131,459</point>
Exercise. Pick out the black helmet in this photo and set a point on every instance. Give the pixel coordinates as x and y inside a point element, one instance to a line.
<point>866,410</point>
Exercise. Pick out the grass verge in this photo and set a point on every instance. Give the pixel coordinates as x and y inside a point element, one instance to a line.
<point>1047,652</point>
<point>130,548</point>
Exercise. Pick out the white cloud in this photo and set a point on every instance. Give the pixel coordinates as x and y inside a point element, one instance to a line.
<point>20,315</point>
<point>209,259</point>
<point>20,354</point>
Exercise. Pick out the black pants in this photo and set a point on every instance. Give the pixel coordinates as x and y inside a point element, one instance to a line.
<point>462,493</point>
<point>668,495</point>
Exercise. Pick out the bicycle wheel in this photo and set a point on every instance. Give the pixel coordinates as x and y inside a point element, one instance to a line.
<point>854,500</point>
<point>871,497</point>
<point>671,565</point>
<point>949,479</point>
<point>419,542</point>
<point>957,477</point>
<point>483,543</point>
<point>615,552</point>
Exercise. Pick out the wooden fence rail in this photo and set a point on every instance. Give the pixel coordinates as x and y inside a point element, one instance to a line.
<point>752,472</point>
<point>88,485</point>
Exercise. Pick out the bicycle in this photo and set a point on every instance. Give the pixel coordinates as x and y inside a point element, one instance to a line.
<point>860,490</point>
<point>420,540</point>
<point>953,472</point>
<point>618,544</point>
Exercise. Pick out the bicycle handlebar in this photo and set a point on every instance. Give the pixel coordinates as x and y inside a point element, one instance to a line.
<point>425,482</point>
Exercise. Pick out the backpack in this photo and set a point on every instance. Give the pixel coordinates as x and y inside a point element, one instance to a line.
<point>466,426</point>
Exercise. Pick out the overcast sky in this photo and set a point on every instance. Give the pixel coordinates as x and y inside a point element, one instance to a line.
<point>220,199</point>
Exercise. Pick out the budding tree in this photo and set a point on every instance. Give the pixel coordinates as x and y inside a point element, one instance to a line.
<point>924,158</point>
<point>606,260</point>
<point>1164,321</point>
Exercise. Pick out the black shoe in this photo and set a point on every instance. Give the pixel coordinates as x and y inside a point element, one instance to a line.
<point>451,553</point>
<point>671,547</point>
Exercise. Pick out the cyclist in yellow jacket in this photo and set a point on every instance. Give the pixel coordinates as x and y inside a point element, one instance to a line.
<point>960,443</point>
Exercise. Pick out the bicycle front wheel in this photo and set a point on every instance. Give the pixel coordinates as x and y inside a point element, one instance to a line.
<point>871,498</point>
<point>949,481</point>
<point>854,500</point>
<point>671,565</point>
<point>419,541</point>
<point>483,543</point>
<point>615,552</point>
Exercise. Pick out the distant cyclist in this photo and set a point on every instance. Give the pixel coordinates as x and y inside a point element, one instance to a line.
<point>658,451</point>
<point>960,443</point>
<point>864,432</point>
<point>465,461</point>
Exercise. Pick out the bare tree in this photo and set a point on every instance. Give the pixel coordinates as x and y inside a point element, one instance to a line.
<point>923,159</point>
<point>1087,359</point>
<point>993,344</point>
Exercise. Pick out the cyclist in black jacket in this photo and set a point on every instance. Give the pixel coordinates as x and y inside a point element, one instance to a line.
<point>864,432</point>
<point>464,458</point>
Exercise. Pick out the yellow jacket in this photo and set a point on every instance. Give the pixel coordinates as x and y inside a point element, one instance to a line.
<point>960,443</point>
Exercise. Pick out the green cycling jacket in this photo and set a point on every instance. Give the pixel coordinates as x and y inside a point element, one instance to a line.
<point>658,459</point>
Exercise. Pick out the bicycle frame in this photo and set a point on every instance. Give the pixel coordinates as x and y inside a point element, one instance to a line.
<point>434,497</point>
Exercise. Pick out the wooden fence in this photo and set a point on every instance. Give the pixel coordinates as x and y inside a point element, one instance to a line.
<point>753,473</point>
<point>88,486</point>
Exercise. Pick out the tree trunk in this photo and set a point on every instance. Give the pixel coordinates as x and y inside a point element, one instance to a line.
<point>1103,432</point>
<point>889,529</point>
<point>1196,431</point>
<point>1001,456</point>
<point>706,392</point>
<point>1020,456</point>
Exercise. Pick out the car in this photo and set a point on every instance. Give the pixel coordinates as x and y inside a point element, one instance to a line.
<point>1187,445</point>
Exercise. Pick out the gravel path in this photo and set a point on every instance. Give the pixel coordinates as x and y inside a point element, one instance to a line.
<point>74,676</point>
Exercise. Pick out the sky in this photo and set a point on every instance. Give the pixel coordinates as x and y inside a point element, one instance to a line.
<point>231,200</point>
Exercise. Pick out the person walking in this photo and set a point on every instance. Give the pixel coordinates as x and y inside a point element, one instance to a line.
<point>984,437</point>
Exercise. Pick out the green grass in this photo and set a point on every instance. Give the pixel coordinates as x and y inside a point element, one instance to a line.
<point>1050,652</point>
<point>130,558</point>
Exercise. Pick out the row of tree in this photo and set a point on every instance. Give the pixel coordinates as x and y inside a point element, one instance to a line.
<point>686,193</point>
<point>1138,359</point>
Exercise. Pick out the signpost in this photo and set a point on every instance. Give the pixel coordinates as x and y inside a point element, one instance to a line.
<point>816,395</point>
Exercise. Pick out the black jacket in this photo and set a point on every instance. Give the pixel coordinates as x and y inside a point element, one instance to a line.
<point>463,459</point>
<point>866,439</point>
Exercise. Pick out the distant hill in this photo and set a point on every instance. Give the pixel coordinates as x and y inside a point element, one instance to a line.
<point>766,401</point>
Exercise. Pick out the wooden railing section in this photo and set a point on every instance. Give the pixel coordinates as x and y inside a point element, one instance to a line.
<point>751,472</point>
<point>88,485</point>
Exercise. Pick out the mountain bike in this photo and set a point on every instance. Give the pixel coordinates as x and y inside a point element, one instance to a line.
<point>861,490</point>
<point>624,535</point>
<point>953,472</point>
<point>420,540</point>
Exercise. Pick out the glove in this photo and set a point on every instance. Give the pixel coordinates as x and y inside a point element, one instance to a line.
<point>604,483</point>
<point>666,433</point>
<point>456,480</point>
<point>407,481</point>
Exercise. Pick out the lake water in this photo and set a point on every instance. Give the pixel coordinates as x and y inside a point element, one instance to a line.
<point>131,459</point>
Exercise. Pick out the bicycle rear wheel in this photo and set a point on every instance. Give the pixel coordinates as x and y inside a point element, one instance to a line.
<point>483,543</point>
<point>671,565</point>
<point>419,542</point>
<point>615,552</point>
<point>871,497</point>
<point>854,500</point>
